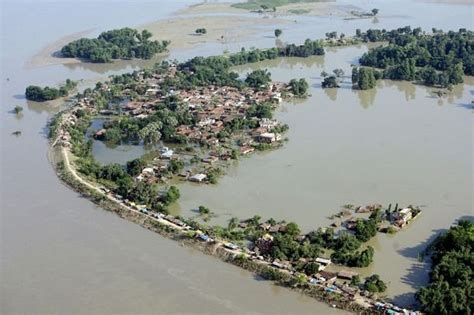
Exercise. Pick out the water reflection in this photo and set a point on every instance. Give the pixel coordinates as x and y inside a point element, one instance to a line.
<point>19,116</point>
<point>366,97</point>
<point>283,63</point>
<point>116,65</point>
<point>49,107</point>
<point>407,88</point>
<point>331,93</point>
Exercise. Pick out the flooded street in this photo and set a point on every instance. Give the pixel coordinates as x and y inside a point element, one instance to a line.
<point>396,143</point>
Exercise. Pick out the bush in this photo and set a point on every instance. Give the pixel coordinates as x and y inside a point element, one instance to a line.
<point>124,43</point>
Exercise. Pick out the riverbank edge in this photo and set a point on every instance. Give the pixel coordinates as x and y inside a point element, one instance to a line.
<point>63,170</point>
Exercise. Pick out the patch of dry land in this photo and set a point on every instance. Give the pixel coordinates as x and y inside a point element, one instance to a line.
<point>323,8</point>
<point>224,24</point>
<point>46,56</point>
<point>180,30</point>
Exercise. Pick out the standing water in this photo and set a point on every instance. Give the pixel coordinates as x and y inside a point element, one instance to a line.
<point>397,143</point>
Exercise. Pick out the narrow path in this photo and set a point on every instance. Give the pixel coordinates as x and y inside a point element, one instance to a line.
<point>365,302</point>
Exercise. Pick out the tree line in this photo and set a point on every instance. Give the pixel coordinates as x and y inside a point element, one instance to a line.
<point>436,59</point>
<point>450,290</point>
<point>124,43</point>
<point>42,94</point>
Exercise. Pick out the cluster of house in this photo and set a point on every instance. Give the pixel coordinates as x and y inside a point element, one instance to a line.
<point>404,216</point>
<point>63,135</point>
<point>212,106</point>
<point>157,215</point>
<point>397,218</point>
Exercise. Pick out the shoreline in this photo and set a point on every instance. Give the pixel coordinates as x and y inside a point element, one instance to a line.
<point>69,177</point>
<point>180,26</point>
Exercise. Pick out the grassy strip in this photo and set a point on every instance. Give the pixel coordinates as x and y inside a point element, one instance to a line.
<point>267,4</point>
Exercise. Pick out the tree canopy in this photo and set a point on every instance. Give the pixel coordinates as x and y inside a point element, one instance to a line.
<point>124,43</point>
<point>39,94</point>
<point>438,59</point>
<point>451,277</point>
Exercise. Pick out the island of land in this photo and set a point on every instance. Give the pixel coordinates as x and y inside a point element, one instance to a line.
<point>206,115</point>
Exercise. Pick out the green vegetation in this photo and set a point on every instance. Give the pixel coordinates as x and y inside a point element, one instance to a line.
<point>266,4</point>
<point>451,276</point>
<point>17,109</point>
<point>332,81</point>
<point>259,79</point>
<point>438,59</point>
<point>134,167</point>
<point>171,195</point>
<point>38,94</point>
<point>374,284</point>
<point>364,78</point>
<point>365,229</point>
<point>299,87</point>
<point>203,210</point>
<point>201,31</point>
<point>124,43</point>
<point>375,11</point>
<point>309,48</point>
<point>278,32</point>
<point>299,11</point>
<point>213,175</point>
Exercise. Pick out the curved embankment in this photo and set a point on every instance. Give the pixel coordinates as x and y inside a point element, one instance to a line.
<point>68,174</point>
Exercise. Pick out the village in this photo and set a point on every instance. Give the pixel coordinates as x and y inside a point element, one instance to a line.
<point>332,281</point>
<point>226,122</point>
<point>204,146</point>
<point>388,221</point>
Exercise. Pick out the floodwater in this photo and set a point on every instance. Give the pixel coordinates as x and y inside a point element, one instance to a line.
<point>396,143</point>
<point>60,254</point>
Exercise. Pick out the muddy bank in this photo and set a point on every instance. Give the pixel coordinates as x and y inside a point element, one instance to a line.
<point>49,54</point>
<point>179,30</point>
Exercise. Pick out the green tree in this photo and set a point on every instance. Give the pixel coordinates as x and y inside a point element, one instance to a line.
<point>292,229</point>
<point>365,229</point>
<point>455,74</point>
<point>17,109</point>
<point>450,287</point>
<point>355,75</point>
<point>233,222</point>
<point>374,284</point>
<point>135,167</point>
<point>299,87</point>
<point>278,32</point>
<point>366,79</point>
<point>203,210</point>
<point>311,268</point>
<point>330,82</point>
<point>171,195</point>
<point>258,79</point>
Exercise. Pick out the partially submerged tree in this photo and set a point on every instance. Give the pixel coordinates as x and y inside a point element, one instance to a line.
<point>201,31</point>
